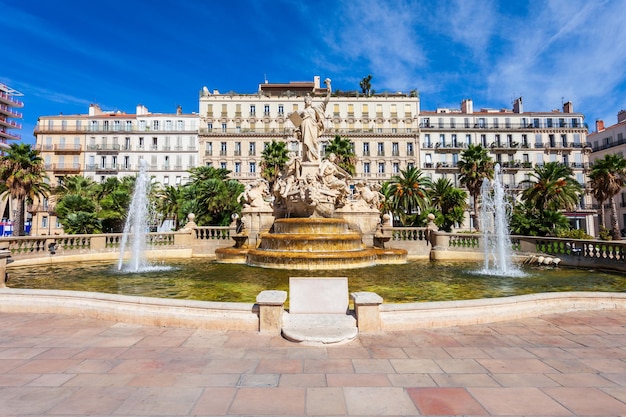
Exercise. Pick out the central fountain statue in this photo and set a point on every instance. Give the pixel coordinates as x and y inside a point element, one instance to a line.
<point>313,221</point>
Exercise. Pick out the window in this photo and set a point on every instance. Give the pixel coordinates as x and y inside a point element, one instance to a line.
<point>468,139</point>
<point>395,149</point>
<point>574,122</point>
<point>442,140</point>
<point>366,149</point>
<point>155,125</point>
<point>177,180</point>
<point>224,127</point>
<point>366,167</point>
<point>223,165</point>
<point>166,180</point>
<point>427,143</point>
<point>381,149</point>
<point>127,144</point>
<point>381,167</point>
<point>180,125</point>
<point>208,148</point>
<point>155,143</point>
<point>237,167</point>
<point>105,125</point>
<point>252,110</point>
<point>548,122</point>
<point>237,148</point>
<point>396,167</point>
<point>209,127</point>
<point>127,162</point>
<point>44,222</point>
<point>223,148</point>
<point>252,148</point>
<point>409,149</point>
<point>281,109</point>
<point>252,167</point>
<point>266,110</point>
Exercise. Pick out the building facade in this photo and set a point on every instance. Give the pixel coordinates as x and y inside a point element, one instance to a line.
<point>99,145</point>
<point>611,140</point>
<point>235,128</point>
<point>516,139</point>
<point>389,133</point>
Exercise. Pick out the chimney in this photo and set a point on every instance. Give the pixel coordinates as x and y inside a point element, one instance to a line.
<point>94,110</point>
<point>316,82</point>
<point>599,125</point>
<point>141,110</point>
<point>518,106</point>
<point>568,107</point>
<point>467,106</point>
<point>179,110</point>
<point>621,116</point>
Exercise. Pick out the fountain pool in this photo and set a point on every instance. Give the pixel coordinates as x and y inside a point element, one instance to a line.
<point>200,279</point>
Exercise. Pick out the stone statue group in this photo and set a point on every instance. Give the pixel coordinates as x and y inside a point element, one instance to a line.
<point>308,186</point>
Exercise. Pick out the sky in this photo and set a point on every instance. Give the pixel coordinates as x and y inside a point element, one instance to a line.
<point>64,55</point>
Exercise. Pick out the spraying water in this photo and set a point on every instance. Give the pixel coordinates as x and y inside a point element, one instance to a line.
<point>136,227</point>
<point>495,229</point>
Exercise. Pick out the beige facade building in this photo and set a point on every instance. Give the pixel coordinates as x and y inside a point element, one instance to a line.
<point>234,128</point>
<point>611,140</point>
<point>102,144</point>
<point>518,140</point>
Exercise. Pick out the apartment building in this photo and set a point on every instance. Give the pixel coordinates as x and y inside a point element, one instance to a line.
<point>101,144</point>
<point>518,140</point>
<point>235,128</point>
<point>611,140</point>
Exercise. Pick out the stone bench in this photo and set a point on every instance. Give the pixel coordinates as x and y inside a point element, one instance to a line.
<point>318,311</point>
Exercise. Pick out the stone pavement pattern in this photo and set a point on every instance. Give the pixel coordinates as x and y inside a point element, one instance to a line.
<point>556,365</point>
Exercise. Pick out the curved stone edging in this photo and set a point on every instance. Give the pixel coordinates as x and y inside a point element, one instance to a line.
<point>132,309</point>
<point>490,310</point>
<point>244,316</point>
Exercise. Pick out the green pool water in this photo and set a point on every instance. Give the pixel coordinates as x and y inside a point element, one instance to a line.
<point>199,279</point>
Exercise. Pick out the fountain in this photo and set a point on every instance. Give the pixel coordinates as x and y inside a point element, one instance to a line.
<point>495,229</point>
<point>313,220</point>
<point>136,226</point>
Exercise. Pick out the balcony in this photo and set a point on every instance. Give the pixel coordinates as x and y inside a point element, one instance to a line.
<point>10,124</point>
<point>7,135</point>
<point>5,98</point>
<point>107,169</point>
<point>449,147</point>
<point>66,168</point>
<point>445,167</point>
<point>67,149</point>
<point>9,112</point>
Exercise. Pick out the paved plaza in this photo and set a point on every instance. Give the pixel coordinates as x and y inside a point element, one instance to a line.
<point>555,365</point>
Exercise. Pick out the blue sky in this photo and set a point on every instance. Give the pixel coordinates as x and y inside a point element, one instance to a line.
<point>65,54</point>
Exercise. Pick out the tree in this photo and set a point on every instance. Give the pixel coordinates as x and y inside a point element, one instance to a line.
<point>366,85</point>
<point>77,214</point>
<point>409,195</point>
<point>275,156</point>
<point>211,196</point>
<point>22,172</point>
<point>552,187</point>
<point>344,150</point>
<point>168,203</point>
<point>475,165</point>
<point>608,177</point>
<point>528,220</point>
<point>448,202</point>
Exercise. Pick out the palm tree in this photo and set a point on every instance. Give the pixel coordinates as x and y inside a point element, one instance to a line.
<point>344,150</point>
<point>409,194</point>
<point>475,165</point>
<point>552,187</point>
<point>168,203</point>
<point>22,172</point>
<point>449,202</point>
<point>608,177</point>
<point>366,85</point>
<point>275,156</point>
<point>211,196</point>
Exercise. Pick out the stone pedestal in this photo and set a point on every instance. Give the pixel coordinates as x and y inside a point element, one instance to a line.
<point>5,254</point>
<point>256,221</point>
<point>271,307</point>
<point>367,308</point>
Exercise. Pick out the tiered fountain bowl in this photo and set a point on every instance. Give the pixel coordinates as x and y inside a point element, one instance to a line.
<point>315,244</point>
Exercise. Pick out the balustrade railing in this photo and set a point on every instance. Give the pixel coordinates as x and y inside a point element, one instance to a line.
<point>213,233</point>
